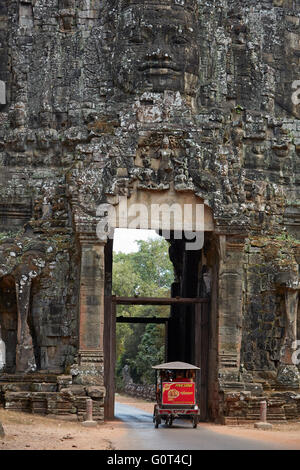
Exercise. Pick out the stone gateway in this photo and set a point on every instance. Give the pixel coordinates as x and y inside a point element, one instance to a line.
<point>155,102</point>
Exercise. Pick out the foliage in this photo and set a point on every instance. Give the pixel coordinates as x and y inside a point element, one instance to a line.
<point>150,352</point>
<point>147,273</point>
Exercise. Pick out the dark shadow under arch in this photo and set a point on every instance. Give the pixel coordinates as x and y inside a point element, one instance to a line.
<point>9,320</point>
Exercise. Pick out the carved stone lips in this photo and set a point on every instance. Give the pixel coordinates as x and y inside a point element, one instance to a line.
<point>155,67</point>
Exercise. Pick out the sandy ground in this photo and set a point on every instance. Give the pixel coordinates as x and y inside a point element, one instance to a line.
<point>30,432</point>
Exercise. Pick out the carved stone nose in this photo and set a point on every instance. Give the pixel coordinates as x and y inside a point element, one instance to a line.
<point>158,54</point>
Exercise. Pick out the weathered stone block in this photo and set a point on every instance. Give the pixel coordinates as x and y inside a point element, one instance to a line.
<point>87,374</point>
<point>288,376</point>
<point>64,380</point>
<point>78,390</point>
<point>263,426</point>
<point>95,392</point>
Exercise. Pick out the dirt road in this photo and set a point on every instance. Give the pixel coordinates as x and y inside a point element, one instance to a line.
<point>206,437</point>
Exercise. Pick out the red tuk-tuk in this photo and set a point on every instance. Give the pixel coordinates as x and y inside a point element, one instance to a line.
<point>176,393</point>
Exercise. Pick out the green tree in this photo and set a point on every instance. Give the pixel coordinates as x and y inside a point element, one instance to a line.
<point>150,352</point>
<point>147,273</point>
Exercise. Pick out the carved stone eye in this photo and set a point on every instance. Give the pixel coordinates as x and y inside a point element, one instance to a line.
<point>180,41</point>
<point>136,39</point>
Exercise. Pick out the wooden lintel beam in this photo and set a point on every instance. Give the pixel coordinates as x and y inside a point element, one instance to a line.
<point>158,320</point>
<point>156,300</point>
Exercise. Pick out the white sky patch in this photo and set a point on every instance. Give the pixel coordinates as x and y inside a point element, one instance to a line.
<point>125,240</point>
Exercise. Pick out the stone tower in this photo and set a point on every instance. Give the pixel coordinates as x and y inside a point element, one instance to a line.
<point>155,102</point>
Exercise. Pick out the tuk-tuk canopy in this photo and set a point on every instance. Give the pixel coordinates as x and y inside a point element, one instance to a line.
<point>176,366</point>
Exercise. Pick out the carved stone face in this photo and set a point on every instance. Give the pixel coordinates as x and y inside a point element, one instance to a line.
<point>288,86</point>
<point>156,50</point>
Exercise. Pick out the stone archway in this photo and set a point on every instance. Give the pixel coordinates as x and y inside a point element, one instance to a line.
<point>176,215</point>
<point>221,267</point>
<point>97,320</point>
<point>9,320</point>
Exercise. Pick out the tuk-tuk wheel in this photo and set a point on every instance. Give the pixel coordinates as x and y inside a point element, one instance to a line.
<point>157,422</point>
<point>169,421</point>
<point>195,422</point>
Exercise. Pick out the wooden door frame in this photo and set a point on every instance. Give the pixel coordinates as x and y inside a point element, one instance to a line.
<point>110,343</point>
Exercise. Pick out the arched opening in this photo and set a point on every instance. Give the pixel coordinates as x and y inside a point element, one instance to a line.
<point>191,327</point>
<point>9,320</point>
<point>141,268</point>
